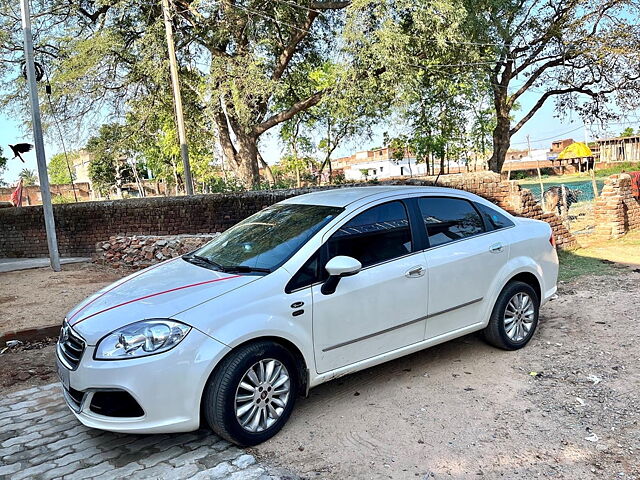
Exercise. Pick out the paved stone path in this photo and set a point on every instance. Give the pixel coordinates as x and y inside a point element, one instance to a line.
<point>40,439</point>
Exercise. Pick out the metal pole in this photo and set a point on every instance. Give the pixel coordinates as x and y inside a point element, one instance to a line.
<point>177,98</point>
<point>49,221</point>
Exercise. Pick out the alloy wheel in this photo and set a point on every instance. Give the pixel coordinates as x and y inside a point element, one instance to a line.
<point>262,395</point>
<point>519,316</point>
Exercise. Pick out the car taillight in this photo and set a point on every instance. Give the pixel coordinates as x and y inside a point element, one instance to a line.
<point>552,241</point>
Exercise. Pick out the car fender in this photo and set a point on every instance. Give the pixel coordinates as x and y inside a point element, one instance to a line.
<point>513,267</point>
<point>262,310</point>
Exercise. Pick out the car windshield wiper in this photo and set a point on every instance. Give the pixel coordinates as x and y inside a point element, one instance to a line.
<point>191,257</point>
<point>244,269</point>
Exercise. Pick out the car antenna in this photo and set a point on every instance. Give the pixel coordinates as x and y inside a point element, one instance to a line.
<point>435,184</point>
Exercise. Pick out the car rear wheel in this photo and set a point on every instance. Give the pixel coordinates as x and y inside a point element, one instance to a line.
<point>514,318</point>
<point>251,394</point>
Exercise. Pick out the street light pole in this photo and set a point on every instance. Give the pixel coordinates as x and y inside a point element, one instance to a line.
<point>177,98</point>
<point>49,221</point>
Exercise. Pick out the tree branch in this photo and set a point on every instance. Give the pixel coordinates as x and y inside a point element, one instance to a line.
<point>287,114</point>
<point>559,91</point>
<point>290,49</point>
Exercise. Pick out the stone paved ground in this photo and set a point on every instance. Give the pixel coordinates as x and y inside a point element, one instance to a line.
<point>40,439</point>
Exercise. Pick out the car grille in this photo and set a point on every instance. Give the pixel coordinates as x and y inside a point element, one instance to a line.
<point>70,347</point>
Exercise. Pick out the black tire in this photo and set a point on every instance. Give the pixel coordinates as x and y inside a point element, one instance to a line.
<point>495,333</point>
<point>219,399</point>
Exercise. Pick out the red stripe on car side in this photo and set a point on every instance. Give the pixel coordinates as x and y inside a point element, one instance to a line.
<point>116,286</point>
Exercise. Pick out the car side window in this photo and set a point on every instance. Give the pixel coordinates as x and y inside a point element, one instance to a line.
<point>493,219</point>
<point>308,274</point>
<point>377,235</point>
<point>449,219</point>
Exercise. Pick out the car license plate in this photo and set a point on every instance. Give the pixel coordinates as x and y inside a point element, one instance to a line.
<point>64,375</point>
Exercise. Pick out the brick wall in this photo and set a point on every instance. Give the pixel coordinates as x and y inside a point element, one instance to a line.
<point>616,210</point>
<point>80,226</point>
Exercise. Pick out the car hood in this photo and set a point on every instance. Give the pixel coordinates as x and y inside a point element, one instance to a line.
<point>159,291</point>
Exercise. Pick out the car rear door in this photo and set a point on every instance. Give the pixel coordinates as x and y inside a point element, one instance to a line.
<point>464,256</point>
<point>383,307</point>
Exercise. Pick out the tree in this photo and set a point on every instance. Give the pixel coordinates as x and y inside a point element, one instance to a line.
<point>627,132</point>
<point>420,62</point>
<point>252,63</point>
<point>108,167</point>
<point>582,54</point>
<point>59,170</point>
<point>29,177</point>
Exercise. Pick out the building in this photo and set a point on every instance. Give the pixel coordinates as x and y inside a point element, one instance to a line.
<point>619,149</point>
<point>380,164</point>
<point>558,145</point>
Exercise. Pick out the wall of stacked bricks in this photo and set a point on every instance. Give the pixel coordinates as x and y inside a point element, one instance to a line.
<point>81,226</point>
<point>616,211</point>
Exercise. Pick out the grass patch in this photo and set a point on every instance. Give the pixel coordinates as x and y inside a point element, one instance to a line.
<point>579,177</point>
<point>573,265</point>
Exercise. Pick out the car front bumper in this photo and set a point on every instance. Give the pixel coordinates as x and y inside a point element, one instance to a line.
<point>167,386</point>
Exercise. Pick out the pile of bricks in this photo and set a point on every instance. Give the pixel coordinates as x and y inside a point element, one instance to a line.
<point>616,211</point>
<point>142,250</point>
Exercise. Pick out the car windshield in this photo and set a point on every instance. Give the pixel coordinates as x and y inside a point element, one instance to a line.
<point>265,240</point>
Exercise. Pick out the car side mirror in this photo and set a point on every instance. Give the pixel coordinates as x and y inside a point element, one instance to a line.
<point>338,267</point>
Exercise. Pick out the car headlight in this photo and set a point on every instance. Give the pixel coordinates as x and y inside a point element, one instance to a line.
<point>141,339</point>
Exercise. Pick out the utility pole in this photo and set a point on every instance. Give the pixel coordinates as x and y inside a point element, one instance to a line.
<point>177,98</point>
<point>49,221</point>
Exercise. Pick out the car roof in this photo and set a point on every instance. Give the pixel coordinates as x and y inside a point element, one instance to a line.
<point>342,197</point>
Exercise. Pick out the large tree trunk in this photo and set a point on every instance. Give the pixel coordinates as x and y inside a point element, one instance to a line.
<point>247,161</point>
<point>501,140</point>
<point>241,156</point>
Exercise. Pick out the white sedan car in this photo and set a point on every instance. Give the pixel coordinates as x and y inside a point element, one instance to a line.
<point>307,290</point>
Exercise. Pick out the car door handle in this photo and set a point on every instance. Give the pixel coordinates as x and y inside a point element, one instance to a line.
<point>496,248</point>
<point>415,272</point>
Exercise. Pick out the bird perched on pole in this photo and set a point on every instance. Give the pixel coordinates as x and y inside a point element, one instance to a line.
<point>19,148</point>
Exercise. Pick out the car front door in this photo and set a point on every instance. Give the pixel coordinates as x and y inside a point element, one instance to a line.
<point>463,258</point>
<point>381,308</point>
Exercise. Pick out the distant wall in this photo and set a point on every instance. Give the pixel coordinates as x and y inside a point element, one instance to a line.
<point>31,195</point>
<point>80,226</point>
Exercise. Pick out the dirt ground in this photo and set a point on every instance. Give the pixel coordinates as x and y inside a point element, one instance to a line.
<point>39,297</point>
<point>567,406</point>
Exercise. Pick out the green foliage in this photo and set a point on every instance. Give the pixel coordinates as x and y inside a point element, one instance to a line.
<point>627,132</point>
<point>29,177</point>
<point>58,169</point>
<point>108,167</point>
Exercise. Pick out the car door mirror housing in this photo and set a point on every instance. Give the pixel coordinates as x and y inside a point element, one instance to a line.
<point>342,266</point>
<point>338,267</point>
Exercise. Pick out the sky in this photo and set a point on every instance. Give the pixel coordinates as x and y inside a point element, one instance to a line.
<point>542,129</point>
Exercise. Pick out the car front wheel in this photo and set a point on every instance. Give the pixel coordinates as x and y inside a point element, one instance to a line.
<point>514,318</point>
<point>251,394</point>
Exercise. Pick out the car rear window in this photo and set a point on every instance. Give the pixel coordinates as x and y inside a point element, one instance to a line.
<point>493,218</point>
<point>449,219</point>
